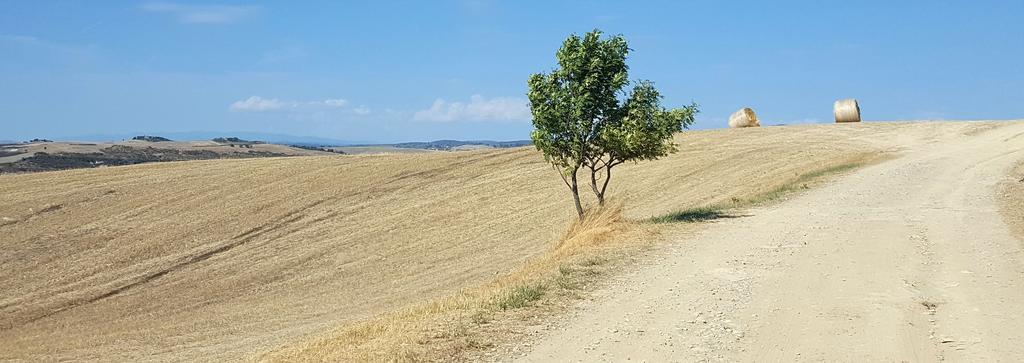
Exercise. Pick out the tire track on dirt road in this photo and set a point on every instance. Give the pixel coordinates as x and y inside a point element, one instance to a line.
<point>907,260</point>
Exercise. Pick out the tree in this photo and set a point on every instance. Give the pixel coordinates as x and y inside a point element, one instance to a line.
<point>641,131</point>
<point>580,122</point>
<point>570,104</point>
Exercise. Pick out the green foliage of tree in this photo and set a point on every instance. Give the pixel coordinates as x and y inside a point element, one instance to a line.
<point>643,131</point>
<point>581,123</point>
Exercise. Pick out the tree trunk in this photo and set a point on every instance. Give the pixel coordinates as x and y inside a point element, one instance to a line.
<point>575,188</point>
<point>599,192</point>
<point>604,188</point>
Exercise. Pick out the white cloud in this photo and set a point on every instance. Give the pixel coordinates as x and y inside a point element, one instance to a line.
<point>477,109</point>
<point>258,104</point>
<point>202,14</point>
<point>337,102</point>
<point>361,110</point>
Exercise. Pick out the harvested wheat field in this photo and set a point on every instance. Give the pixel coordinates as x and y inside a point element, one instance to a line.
<point>229,259</point>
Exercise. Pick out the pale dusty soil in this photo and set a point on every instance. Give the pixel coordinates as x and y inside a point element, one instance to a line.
<point>907,260</point>
<point>1011,200</point>
<point>228,259</point>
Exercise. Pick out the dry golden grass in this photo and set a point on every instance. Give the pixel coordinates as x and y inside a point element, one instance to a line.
<point>380,149</point>
<point>449,327</point>
<point>231,259</point>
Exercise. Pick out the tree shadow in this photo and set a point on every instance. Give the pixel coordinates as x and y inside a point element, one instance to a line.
<point>701,214</point>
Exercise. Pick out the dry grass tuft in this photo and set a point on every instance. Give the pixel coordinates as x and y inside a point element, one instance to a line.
<point>520,297</point>
<point>597,226</point>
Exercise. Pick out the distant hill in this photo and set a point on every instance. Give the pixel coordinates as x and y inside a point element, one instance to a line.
<point>283,139</point>
<point>209,135</point>
<point>47,156</point>
<point>452,144</point>
<point>115,156</point>
<point>235,140</point>
<point>151,138</point>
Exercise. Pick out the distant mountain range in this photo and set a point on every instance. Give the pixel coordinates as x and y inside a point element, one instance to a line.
<point>451,144</point>
<point>289,140</point>
<point>209,135</point>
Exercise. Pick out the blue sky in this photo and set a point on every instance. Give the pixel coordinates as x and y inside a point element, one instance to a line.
<point>421,70</point>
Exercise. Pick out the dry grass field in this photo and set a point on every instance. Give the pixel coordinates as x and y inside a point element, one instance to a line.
<point>230,259</point>
<point>379,149</point>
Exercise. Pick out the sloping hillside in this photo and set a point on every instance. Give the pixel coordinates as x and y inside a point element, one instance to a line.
<point>223,259</point>
<point>49,156</point>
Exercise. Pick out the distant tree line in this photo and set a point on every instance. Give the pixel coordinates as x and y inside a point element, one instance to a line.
<point>318,148</point>
<point>235,140</point>
<point>150,138</point>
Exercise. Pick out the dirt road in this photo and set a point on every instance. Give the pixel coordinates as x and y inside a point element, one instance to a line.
<point>907,260</point>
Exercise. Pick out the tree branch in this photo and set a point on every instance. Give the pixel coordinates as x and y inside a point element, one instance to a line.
<point>561,173</point>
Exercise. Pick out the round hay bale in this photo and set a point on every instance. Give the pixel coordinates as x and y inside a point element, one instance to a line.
<point>847,110</point>
<point>745,117</point>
